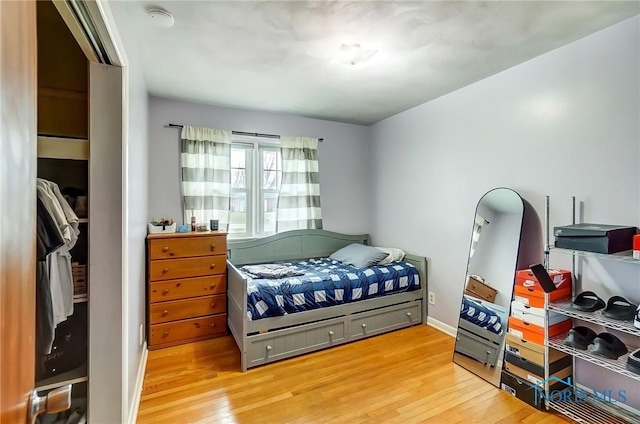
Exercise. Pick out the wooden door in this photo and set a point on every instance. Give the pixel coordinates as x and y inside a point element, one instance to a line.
<point>17,206</point>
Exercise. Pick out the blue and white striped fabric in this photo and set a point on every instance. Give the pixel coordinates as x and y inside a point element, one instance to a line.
<point>326,283</point>
<point>480,315</point>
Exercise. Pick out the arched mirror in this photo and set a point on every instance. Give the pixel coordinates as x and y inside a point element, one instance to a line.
<point>494,256</point>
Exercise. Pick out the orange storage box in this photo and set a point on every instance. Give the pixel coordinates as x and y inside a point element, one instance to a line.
<point>534,333</point>
<point>561,279</point>
<point>533,297</point>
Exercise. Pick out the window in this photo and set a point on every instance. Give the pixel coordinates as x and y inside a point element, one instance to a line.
<point>475,237</point>
<point>256,175</point>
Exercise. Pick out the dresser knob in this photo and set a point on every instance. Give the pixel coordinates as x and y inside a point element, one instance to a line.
<point>165,312</point>
<point>269,348</point>
<point>178,284</point>
<point>165,291</point>
<point>212,247</point>
<point>212,266</point>
<point>165,270</point>
<point>213,286</point>
<point>409,314</point>
<point>166,333</point>
<point>331,332</point>
<point>213,324</point>
<point>197,325</point>
<point>213,304</point>
<point>364,325</point>
<point>165,249</point>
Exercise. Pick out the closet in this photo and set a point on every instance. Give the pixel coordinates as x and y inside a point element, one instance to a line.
<point>63,159</point>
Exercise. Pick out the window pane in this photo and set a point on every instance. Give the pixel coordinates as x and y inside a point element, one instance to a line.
<point>238,158</point>
<point>270,160</point>
<point>271,180</point>
<point>238,213</point>
<point>238,178</point>
<point>270,201</point>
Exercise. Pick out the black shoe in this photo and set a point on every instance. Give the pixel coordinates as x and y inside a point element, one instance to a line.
<point>580,337</point>
<point>608,346</point>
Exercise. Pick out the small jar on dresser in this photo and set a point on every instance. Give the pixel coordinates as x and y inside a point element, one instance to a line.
<point>186,287</point>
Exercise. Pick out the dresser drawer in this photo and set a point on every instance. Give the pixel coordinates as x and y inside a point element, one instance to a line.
<point>189,308</point>
<point>171,248</point>
<point>161,291</point>
<point>188,329</point>
<point>170,269</point>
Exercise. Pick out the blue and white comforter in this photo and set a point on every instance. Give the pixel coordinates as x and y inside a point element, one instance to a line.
<point>480,315</point>
<point>326,282</point>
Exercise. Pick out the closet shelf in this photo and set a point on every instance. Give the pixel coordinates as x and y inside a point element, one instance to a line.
<point>76,375</point>
<point>626,256</point>
<point>616,365</point>
<point>80,298</point>
<point>593,412</point>
<point>63,148</point>
<point>564,308</point>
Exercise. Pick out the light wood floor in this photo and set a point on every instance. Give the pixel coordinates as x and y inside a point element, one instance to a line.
<point>402,377</point>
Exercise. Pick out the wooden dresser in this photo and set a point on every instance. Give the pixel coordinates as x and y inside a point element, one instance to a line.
<point>187,286</point>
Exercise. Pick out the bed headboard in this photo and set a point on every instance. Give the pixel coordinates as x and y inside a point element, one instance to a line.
<point>290,245</point>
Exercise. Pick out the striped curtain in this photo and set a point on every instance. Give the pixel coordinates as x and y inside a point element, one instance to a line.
<point>206,177</point>
<point>299,197</point>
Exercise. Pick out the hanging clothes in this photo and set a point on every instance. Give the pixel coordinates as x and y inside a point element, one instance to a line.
<point>48,241</point>
<point>58,261</point>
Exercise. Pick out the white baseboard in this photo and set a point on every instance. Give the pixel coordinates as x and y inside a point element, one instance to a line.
<point>439,325</point>
<point>133,411</point>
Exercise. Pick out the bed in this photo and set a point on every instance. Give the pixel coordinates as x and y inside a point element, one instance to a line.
<point>481,330</point>
<point>296,332</point>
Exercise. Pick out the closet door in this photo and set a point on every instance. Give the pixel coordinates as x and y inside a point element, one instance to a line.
<point>17,207</point>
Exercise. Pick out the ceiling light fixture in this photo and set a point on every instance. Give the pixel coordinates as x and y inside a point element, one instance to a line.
<point>161,17</point>
<point>355,54</point>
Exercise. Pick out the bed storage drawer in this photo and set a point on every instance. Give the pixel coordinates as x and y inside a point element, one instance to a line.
<point>170,269</point>
<point>186,288</point>
<point>274,346</point>
<point>379,321</point>
<point>188,308</point>
<point>476,347</point>
<point>188,329</point>
<point>187,247</point>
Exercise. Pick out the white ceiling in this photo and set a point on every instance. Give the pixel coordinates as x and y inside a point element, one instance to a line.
<point>280,55</point>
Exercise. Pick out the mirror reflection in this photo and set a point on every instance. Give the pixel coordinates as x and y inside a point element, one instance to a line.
<point>493,256</point>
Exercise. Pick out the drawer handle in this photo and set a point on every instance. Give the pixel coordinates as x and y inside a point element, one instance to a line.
<point>165,249</point>
<point>165,270</point>
<point>213,304</point>
<point>331,332</point>
<point>197,324</point>
<point>212,247</point>
<point>409,314</point>
<point>178,284</point>
<point>165,312</point>
<point>364,325</point>
<point>213,324</point>
<point>269,348</point>
<point>166,333</point>
<point>212,266</point>
<point>165,291</point>
<point>213,286</point>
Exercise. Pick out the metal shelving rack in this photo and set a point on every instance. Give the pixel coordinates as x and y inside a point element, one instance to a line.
<point>592,410</point>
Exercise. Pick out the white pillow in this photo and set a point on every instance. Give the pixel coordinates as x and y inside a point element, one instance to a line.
<point>393,255</point>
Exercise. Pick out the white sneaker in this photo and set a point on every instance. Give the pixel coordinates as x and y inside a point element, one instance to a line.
<point>636,321</point>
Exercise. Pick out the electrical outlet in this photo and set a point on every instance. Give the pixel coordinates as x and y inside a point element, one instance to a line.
<point>432,298</point>
<point>141,334</point>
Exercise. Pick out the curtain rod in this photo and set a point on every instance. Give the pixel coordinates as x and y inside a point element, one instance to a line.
<point>241,133</point>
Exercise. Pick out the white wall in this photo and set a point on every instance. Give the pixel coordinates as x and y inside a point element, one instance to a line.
<point>343,157</point>
<point>137,182</point>
<point>565,123</point>
<point>135,188</point>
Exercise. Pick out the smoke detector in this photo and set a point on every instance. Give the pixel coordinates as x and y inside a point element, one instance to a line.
<point>161,17</point>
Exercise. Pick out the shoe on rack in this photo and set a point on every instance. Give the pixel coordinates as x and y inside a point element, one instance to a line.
<point>619,308</point>
<point>608,346</point>
<point>580,337</point>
